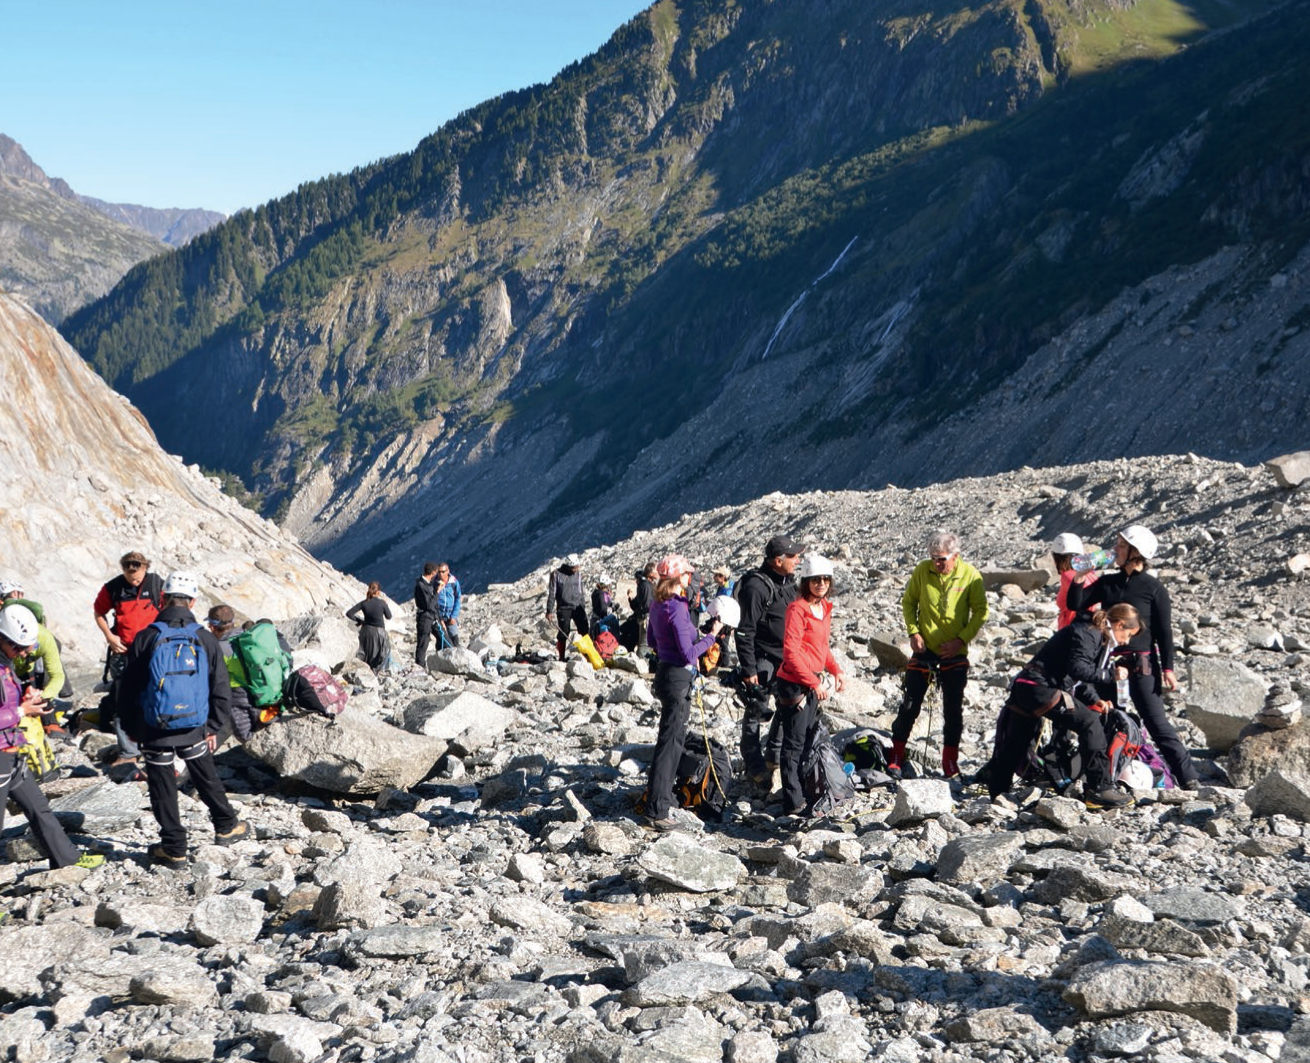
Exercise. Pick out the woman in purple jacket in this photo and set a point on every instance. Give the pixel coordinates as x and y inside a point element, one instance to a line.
<point>673,638</point>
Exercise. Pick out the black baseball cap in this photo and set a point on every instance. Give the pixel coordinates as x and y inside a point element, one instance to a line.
<point>782,544</point>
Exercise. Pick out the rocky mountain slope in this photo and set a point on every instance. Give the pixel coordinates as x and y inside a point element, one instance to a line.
<point>57,251</point>
<point>509,906</point>
<point>747,247</point>
<point>83,481</point>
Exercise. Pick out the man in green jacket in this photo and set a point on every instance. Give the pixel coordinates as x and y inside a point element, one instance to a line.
<point>944,606</point>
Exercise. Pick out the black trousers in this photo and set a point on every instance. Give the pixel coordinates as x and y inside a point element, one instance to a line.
<point>952,674</point>
<point>672,687</point>
<point>795,722</point>
<point>1020,730</point>
<point>758,753</point>
<point>17,784</point>
<point>1146,691</point>
<point>161,780</point>
<point>568,617</point>
<point>424,635</point>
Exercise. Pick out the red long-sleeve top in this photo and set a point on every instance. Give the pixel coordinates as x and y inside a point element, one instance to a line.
<point>805,652</point>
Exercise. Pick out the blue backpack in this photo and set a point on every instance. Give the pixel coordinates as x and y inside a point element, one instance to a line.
<point>177,697</point>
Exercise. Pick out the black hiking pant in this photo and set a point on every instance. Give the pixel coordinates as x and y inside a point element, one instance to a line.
<point>758,753</point>
<point>17,784</point>
<point>795,721</point>
<point>161,780</point>
<point>672,687</point>
<point>952,674</point>
<point>424,634</point>
<point>566,618</point>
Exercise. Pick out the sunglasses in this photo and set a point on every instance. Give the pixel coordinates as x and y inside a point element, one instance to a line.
<point>939,560</point>
<point>819,579</point>
<point>132,566</point>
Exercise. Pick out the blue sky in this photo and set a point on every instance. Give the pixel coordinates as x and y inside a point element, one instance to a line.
<point>228,105</point>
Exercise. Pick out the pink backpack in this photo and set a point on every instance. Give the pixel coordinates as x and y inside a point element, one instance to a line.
<point>11,711</point>
<point>317,690</point>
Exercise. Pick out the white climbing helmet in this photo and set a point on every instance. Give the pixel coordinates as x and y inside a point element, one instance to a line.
<point>1067,543</point>
<point>181,585</point>
<point>726,608</point>
<point>1142,540</point>
<point>18,625</point>
<point>813,565</point>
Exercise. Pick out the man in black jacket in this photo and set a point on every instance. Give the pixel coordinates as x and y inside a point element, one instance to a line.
<point>161,746</point>
<point>566,603</point>
<point>763,594</point>
<point>426,590</point>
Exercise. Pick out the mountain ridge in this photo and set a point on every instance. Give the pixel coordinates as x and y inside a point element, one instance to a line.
<point>461,349</point>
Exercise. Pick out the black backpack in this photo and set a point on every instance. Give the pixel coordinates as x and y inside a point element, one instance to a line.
<point>823,774</point>
<point>704,773</point>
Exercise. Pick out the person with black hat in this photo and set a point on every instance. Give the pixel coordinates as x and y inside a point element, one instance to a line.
<point>764,594</point>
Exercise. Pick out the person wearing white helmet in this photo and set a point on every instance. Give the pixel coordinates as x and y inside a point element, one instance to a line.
<point>806,656</point>
<point>203,686</point>
<point>1149,657</point>
<point>1064,548</point>
<point>18,634</point>
<point>673,637</point>
<point>566,602</point>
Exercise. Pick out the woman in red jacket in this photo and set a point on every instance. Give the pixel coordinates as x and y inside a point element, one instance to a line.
<point>805,657</point>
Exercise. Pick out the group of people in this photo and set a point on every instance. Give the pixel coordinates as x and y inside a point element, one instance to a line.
<point>170,702</point>
<point>1113,626</point>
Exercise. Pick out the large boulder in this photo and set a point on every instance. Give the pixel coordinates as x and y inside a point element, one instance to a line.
<point>461,718</point>
<point>1281,792</point>
<point>328,641</point>
<point>1260,751</point>
<point>105,807</point>
<point>351,754</point>
<point>1206,993</point>
<point>1290,470</point>
<point>1222,697</point>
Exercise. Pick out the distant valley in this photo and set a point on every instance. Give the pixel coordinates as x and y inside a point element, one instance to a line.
<point>60,250</point>
<point>741,248</point>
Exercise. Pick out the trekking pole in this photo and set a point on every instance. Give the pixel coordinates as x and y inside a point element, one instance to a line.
<point>698,694</point>
<point>931,697</point>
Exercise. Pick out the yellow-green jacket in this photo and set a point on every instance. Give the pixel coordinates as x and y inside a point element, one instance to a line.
<point>941,608</point>
<point>46,651</point>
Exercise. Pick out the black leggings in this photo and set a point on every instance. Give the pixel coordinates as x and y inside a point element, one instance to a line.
<point>673,688</point>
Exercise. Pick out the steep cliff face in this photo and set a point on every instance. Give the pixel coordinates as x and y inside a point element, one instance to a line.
<point>742,247</point>
<point>82,481</point>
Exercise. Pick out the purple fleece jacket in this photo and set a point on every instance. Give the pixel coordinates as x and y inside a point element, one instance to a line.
<point>671,633</point>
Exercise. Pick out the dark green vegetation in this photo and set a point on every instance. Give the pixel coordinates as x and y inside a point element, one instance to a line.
<point>553,259</point>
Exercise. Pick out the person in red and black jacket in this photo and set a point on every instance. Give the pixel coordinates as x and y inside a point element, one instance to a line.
<point>134,599</point>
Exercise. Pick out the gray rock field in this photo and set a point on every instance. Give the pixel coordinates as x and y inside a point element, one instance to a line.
<point>472,885</point>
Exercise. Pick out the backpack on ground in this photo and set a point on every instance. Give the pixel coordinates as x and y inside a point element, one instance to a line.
<point>265,663</point>
<point>1124,741</point>
<point>40,756</point>
<point>867,751</point>
<point>823,774</point>
<point>1058,760</point>
<point>606,643</point>
<point>1164,778</point>
<point>316,690</point>
<point>703,775</point>
<point>176,697</point>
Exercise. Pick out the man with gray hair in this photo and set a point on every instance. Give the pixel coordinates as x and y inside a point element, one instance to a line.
<point>944,606</point>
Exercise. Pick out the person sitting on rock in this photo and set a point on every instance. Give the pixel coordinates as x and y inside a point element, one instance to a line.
<point>176,702</point>
<point>18,635</point>
<point>221,620</point>
<point>1071,679</point>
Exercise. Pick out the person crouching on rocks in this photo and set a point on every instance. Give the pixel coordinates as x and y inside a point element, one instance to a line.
<point>1067,680</point>
<point>176,700</point>
<point>18,634</point>
<point>673,638</point>
<point>806,656</point>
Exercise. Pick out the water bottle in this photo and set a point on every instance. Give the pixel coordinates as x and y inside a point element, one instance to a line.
<point>1122,696</point>
<point>1096,559</point>
<point>848,767</point>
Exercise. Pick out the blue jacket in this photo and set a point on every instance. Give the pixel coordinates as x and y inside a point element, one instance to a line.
<point>449,599</point>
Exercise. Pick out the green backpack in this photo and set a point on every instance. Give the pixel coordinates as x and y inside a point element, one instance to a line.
<point>265,663</point>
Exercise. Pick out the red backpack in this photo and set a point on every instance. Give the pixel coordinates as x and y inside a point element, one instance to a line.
<point>606,643</point>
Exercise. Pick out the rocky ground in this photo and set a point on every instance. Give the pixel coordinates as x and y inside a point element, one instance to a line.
<point>471,884</point>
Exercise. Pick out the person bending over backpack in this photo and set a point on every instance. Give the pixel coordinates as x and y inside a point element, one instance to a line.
<point>175,701</point>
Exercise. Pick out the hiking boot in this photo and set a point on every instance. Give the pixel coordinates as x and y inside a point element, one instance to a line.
<point>156,855</point>
<point>1106,799</point>
<point>1192,785</point>
<point>90,861</point>
<point>950,762</point>
<point>664,825</point>
<point>239,833</point>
